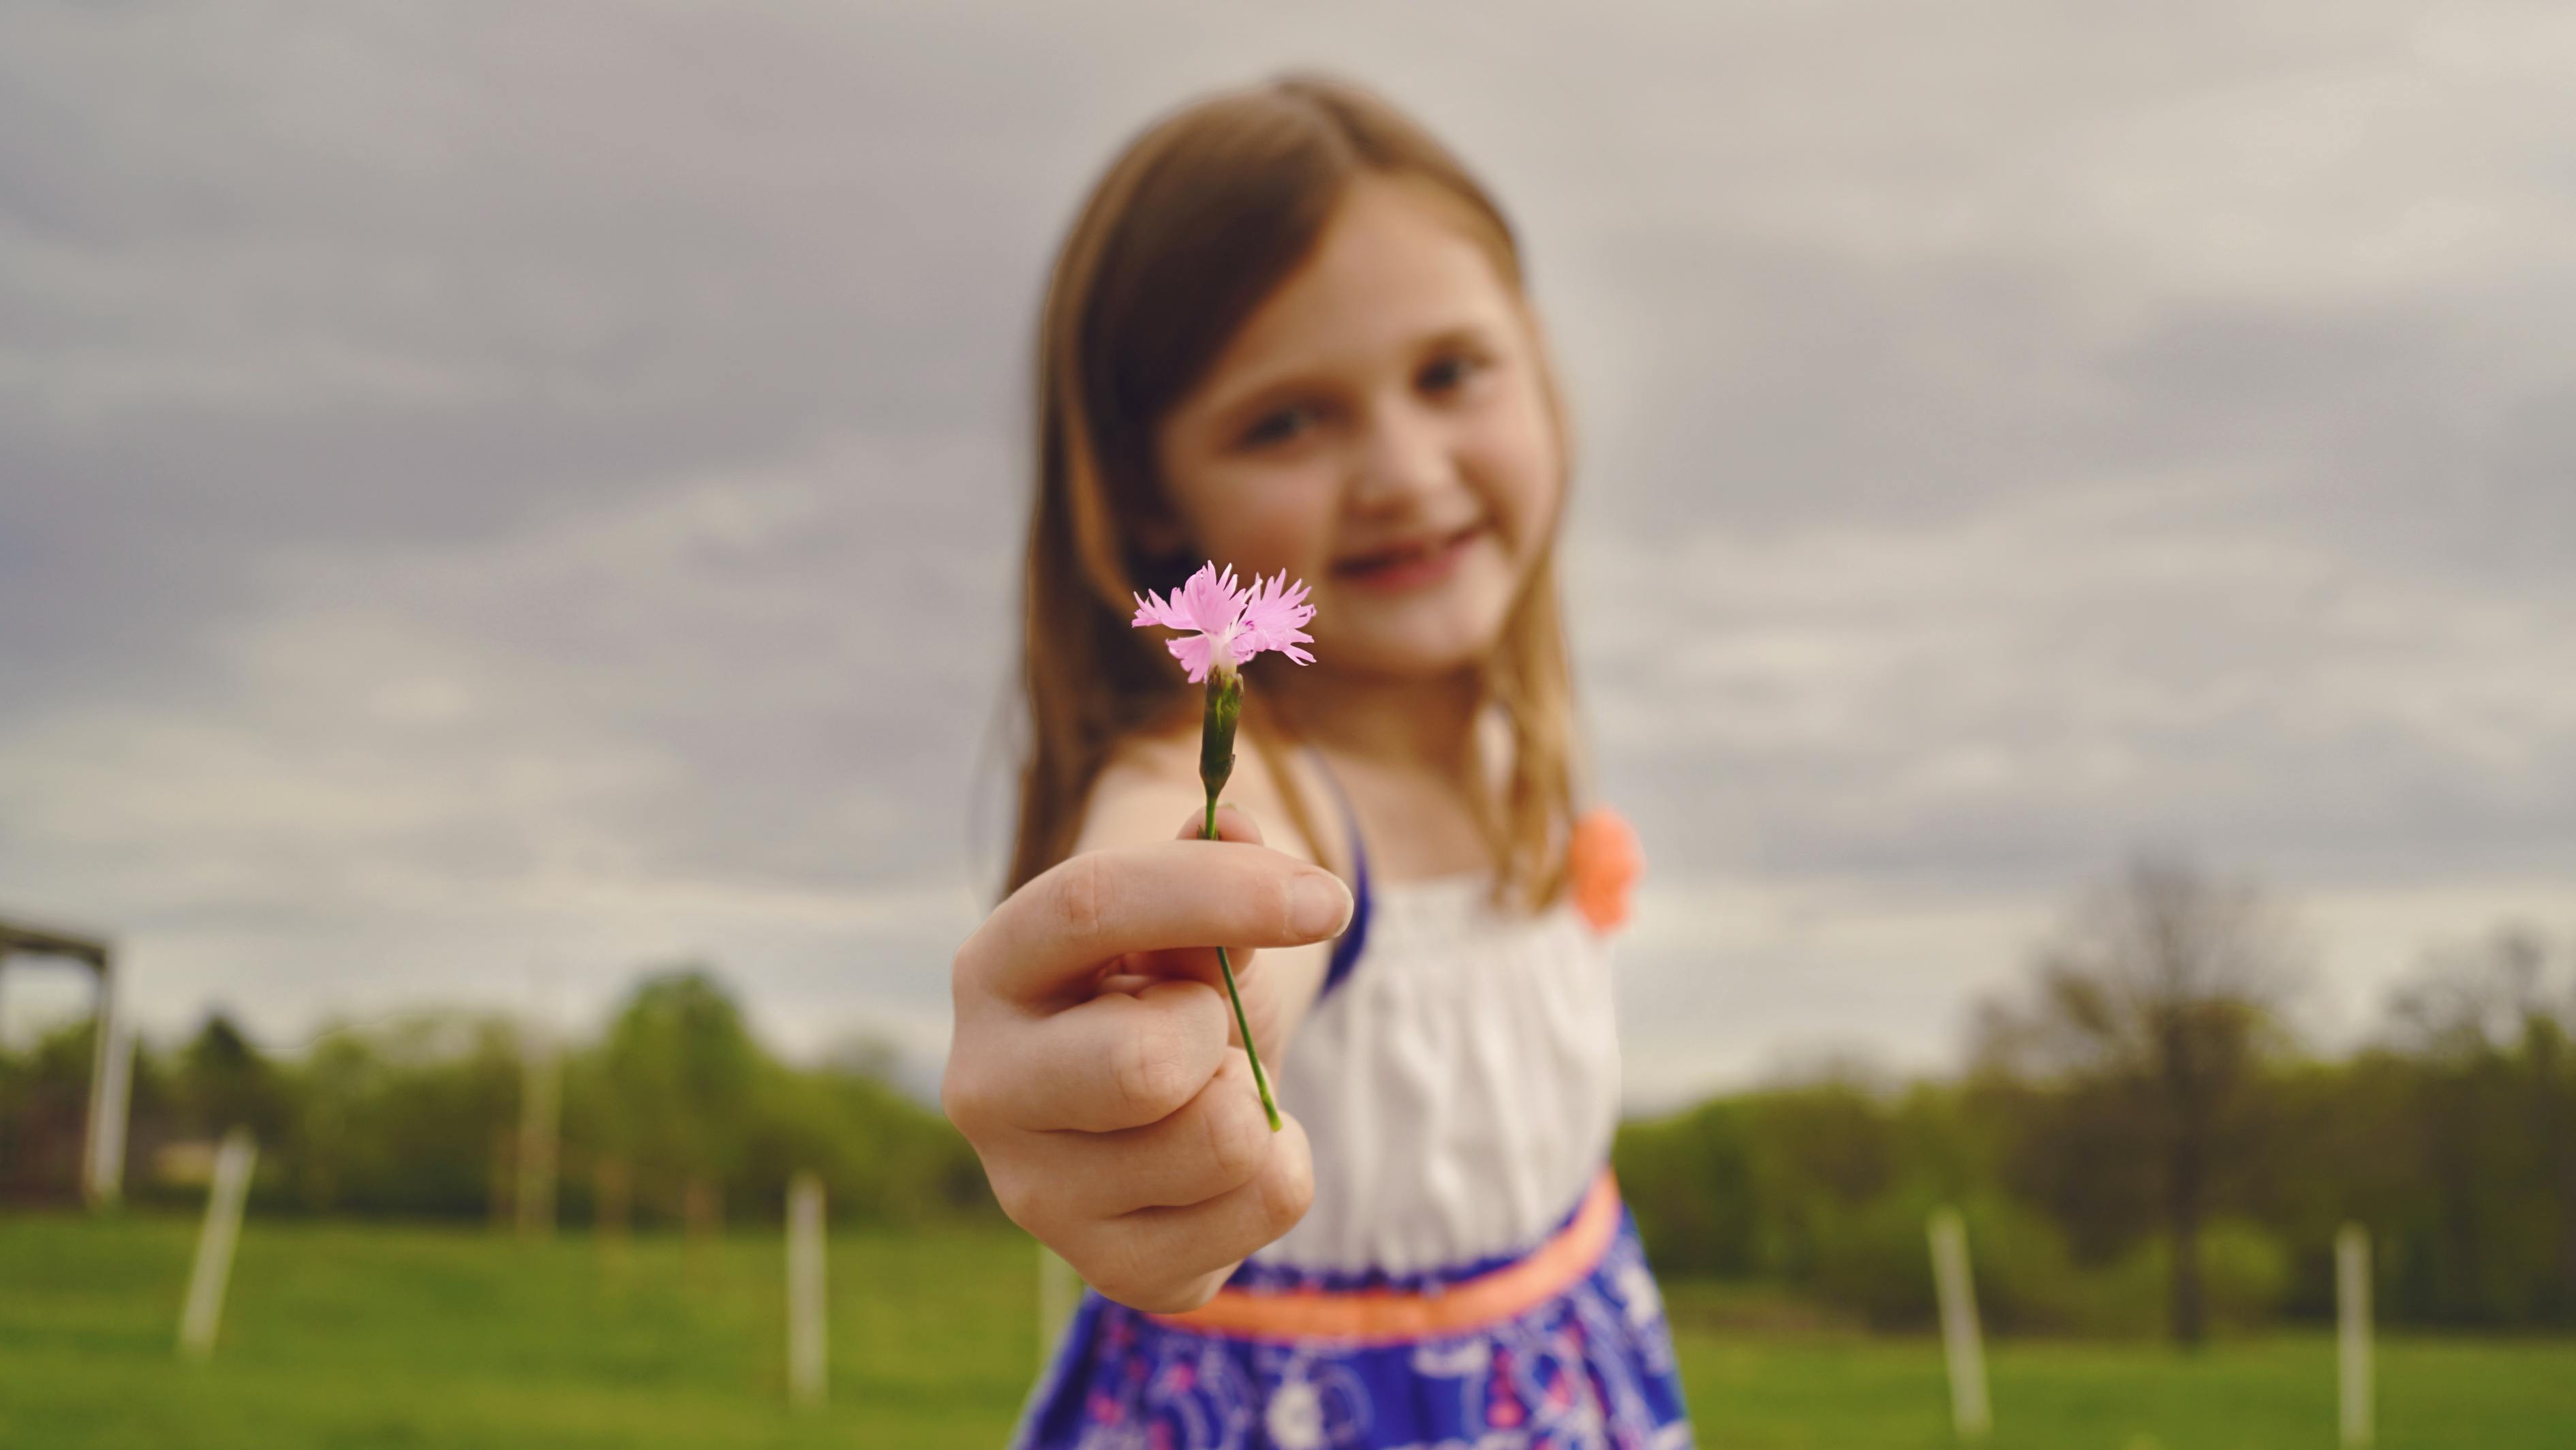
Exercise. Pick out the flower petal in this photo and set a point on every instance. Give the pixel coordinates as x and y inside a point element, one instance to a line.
<point>1272,614</point>
<point>1152,608</point>
<point>1209,604</point>
<point>1193,651</point>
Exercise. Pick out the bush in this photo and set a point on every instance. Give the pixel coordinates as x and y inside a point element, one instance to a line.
<point>2244,1277</point>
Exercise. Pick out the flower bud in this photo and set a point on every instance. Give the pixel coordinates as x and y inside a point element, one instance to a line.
<point>1216,730</point>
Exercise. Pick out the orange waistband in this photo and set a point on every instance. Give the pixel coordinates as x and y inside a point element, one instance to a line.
<point>1547,1271</point>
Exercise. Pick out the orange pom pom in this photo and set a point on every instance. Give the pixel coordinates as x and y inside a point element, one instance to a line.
<point>1602,862</point>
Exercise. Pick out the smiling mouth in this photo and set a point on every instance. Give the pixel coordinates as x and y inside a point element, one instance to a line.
<point>1386,560</point>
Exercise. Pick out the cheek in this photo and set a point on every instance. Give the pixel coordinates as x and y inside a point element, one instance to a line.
<point>1513,458</point>
<point>1266,520</point>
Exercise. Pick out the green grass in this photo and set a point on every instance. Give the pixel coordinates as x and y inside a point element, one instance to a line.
<point>2273,1392</point>
<point>338,1335</point>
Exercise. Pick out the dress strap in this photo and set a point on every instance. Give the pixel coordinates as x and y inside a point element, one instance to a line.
<point>1346,948</point>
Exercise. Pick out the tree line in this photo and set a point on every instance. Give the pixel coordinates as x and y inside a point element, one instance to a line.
<point>2141,1142</point>
<point>675,1114</point>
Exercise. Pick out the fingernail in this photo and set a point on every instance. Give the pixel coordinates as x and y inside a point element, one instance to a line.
<point>1319,904</point>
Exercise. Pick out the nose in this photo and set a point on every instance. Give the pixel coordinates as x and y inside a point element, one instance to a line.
<point>1403,458</point>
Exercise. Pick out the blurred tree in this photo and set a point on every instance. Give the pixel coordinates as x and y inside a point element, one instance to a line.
<point>400,1118</point>
<point>223,1081</point>
<point>680,1071</point>
<point>1689,1181</point>
<point>2495,1110</point>
<point>2152,1017</point>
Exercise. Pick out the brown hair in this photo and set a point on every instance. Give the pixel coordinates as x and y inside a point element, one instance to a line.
<point>1185,235</point>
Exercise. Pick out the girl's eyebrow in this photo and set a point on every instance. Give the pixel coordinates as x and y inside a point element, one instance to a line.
<point>1464,334</point>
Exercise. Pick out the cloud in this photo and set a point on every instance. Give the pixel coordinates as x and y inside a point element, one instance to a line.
<point>711,721</point>
<point>534,489</point>
<point>1730,981</point>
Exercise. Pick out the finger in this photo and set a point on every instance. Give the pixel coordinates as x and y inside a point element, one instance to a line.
<point>1215,1143</point>
<point>1118,1061</point>
<point>1194,964</point>
<point>1136,969</point>
<point>1053,933</point>
<point>1149,1259</point>
<point>1232,824</point>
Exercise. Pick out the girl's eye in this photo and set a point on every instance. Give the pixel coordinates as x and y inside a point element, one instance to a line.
<point>1276,427</point>
<point>1448,372</point>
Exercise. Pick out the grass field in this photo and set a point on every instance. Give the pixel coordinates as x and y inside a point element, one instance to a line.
<point>347,1336</point>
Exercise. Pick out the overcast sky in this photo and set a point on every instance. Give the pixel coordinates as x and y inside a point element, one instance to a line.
<point>494,497</point>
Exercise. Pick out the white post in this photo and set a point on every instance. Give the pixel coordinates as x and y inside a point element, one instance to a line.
<point>105,1171</point>
<point>215,1244</point>
<point>2352,1306</point>
<point>805,1289</point>
<point>1058,1288</point>
<point>1959,1335</point>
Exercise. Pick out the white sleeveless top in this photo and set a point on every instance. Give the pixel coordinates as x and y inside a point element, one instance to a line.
<point>1459,1085</point>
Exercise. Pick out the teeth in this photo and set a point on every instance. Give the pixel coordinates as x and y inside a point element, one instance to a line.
<point>1405,555</point>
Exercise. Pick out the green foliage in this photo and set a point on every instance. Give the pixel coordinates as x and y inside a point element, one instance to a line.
<point>222,1080</point>
<point>2453,1141</point>
<point>1689,1181</point>
<point>2244,1272</point>
<point>419,1118</point>
<point>403,1120</point>
<point>680,1075</point>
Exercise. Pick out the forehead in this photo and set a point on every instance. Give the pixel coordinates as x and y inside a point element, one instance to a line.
<point>1399,262</point>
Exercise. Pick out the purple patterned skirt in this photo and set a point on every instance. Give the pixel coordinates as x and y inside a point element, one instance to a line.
<point>1562,1347</point>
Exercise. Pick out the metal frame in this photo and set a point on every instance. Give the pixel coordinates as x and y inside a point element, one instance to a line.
<point>111,1059</point>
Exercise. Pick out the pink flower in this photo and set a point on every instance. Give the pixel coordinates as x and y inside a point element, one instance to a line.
<point>1232,624</point>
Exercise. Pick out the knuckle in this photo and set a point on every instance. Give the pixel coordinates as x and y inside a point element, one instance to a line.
<point>1238,1135</point>
<point>961,1095</point>
<point>1150,1075</point>
<point>1192,1294</point>
<point>1122,1269</point>
<point>1261,1011</point>
<point>1079,896</point>
<point>1283,1199</point>
<point>1020,1199</point>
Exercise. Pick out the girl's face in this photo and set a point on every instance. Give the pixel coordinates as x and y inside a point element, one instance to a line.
<point>1379,429</point>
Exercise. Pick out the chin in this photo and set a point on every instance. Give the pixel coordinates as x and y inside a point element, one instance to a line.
<point>1432,633</point>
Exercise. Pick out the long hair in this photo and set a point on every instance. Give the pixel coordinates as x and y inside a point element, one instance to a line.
<point>1191,228</point>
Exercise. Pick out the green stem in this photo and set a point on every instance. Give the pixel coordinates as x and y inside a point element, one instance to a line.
<point>1242,1024</point>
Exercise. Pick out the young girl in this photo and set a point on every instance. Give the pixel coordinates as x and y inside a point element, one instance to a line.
<point>1289,332</point>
